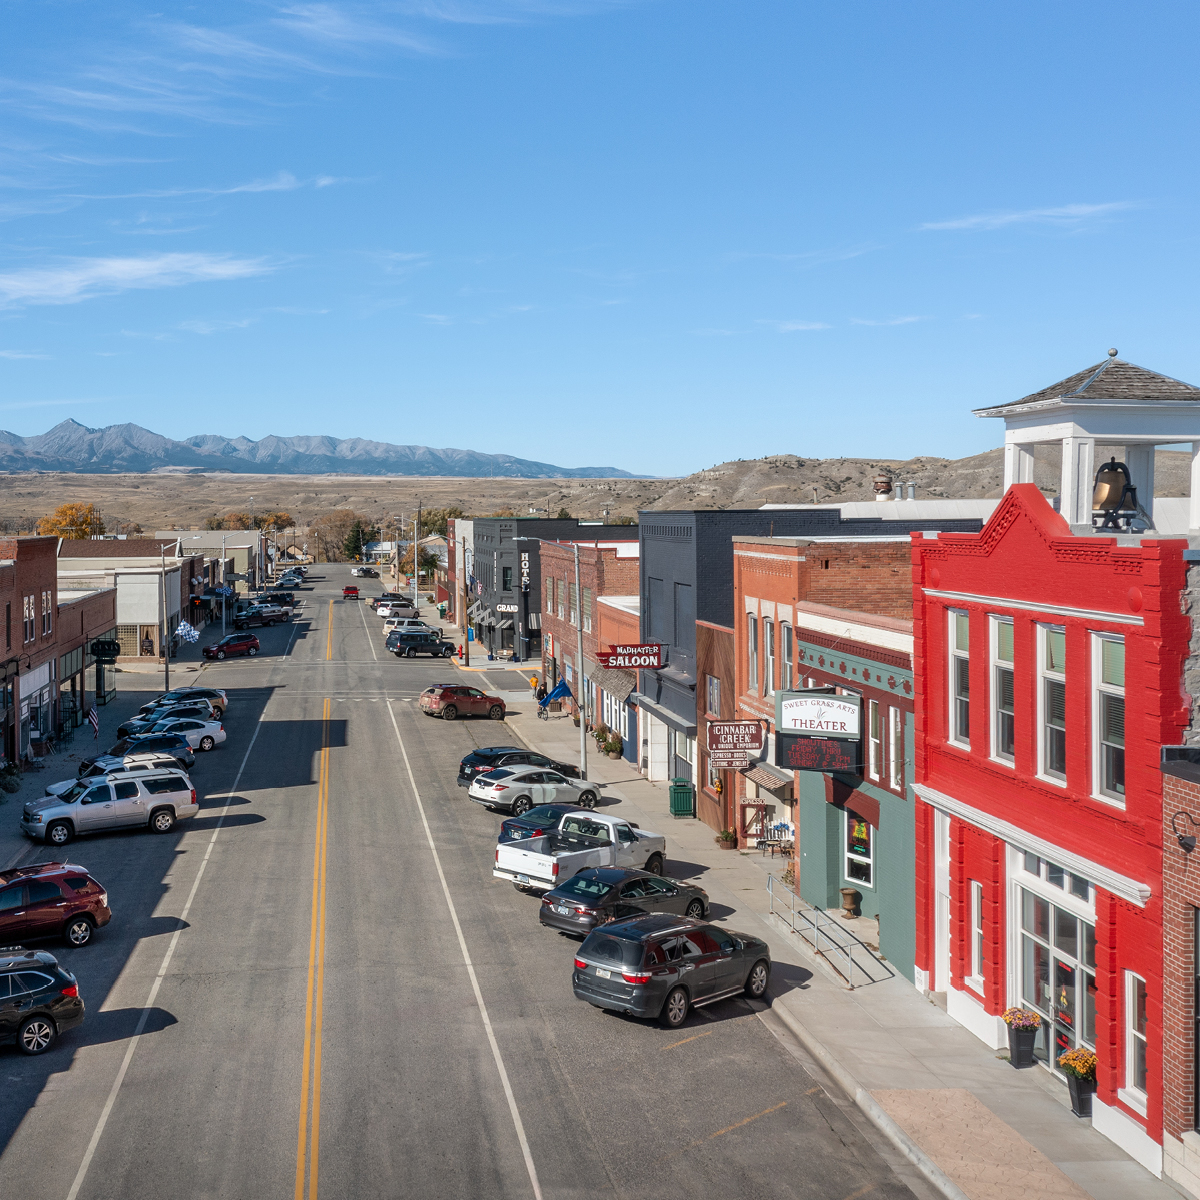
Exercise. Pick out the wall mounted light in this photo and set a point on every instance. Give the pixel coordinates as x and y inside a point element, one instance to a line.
<point>1186,840</point>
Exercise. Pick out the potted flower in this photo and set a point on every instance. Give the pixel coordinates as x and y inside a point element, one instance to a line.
<point>1022,1033</point>
<point>613,746</point>
<point>726,839</point>
<point>1079,1066</point>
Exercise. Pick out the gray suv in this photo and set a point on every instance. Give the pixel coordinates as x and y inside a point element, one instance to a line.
<point>156,799</point>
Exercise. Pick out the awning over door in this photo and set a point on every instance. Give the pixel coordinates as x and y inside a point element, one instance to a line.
<point>665,715</point>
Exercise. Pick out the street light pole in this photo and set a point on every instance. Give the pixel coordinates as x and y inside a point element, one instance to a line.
<point>224,584</point>
<point>466,621</point>
<point>162,641</point>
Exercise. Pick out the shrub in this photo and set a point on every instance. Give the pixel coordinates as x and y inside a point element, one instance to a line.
<point>1020,1018</point>
<point>727,835</point>
<point>1079,1062</point>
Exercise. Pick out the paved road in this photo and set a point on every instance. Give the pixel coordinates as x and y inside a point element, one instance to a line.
<point>351,1006</point>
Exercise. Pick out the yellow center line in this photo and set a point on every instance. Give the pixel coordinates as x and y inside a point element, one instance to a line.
<point>313,1008</point>
<point>694,1037</point>
<point>329,635</point>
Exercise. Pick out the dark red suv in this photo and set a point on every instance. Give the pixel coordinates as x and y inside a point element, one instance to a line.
<point>51,900</point>
<point>232,644</point>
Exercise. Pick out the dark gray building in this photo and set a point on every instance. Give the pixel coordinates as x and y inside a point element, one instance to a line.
<point>506,601</point>
<point>687,576</point>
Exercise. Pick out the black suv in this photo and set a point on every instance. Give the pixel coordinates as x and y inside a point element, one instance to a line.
<point>663,966</point>
<point>38,999</point>
<point>408,645</point>
<point>490,757</point>
<point>173,744</point>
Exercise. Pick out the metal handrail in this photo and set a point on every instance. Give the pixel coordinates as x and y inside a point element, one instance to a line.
<point>816,926</point>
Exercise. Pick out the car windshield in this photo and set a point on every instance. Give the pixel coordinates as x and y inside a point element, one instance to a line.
<point>544,812</point>
<point>603,947</point>
<point>497,773</point>
<point>587,889</point>
<point>75,791</point>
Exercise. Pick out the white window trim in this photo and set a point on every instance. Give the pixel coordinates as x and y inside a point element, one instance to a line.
<point>895,748</point>
<point>768,637</point>
<point>1129,1094</point>
<point>1041,628</point>
<point>874,745</point>
<point>788,654</point>
<point>995,664</point>
<point>752,652</point>
<point>952,615</point>
<point>1098,686</point>
<point>847,856</point>
<point>975,980</point>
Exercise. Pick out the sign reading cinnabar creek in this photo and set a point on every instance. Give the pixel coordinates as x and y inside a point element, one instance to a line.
<point>731,743</point>
<point>818,731</point>
<point>648,656</point>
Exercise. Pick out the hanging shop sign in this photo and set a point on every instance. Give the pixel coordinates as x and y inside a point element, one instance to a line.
<point>649,657</point>
<point>106,651</point>
<point>524,570</point>
<point>732,744</point>
<point>818,731</point>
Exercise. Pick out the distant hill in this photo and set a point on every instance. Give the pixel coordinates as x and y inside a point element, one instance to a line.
<point>76,449</point>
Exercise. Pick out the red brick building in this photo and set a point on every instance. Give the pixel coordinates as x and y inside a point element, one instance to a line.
<point>1048,670</point>
<point>618,625</point>
<point>84,616</point>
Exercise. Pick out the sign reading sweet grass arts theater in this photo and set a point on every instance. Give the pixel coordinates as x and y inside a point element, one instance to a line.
<point>647,656</point>
<point>818,731</point>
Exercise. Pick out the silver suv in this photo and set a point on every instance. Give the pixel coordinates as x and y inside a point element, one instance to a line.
<point>157,800</point>
<point>115,764</point>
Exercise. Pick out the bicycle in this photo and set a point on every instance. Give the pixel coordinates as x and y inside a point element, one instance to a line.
<point>543,712</point>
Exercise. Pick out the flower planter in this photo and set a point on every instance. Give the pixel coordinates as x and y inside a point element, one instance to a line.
<point>726,845</point>
<point>1020,1046</point>
<point>1081,1091</point>
<point>614,754</point>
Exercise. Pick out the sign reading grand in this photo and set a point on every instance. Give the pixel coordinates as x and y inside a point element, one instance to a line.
<point>731,743</point>
<point>819,714</point>
<point>648,657</point>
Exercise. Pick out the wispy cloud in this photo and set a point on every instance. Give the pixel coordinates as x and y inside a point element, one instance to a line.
<point>283,181</point>
<point>806,258</point>
<point>78,279</point>
<point>20,354</point>
<point>207,327</point>
<point>796,326</point>
<point>48,403</point>
<point>326,23</point>
<point>1066,215</point>
<point>436,318</point>
<point>885,321</point>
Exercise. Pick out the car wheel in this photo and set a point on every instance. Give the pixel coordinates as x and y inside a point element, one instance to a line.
<point>59,834</point>
<point>496,712</point>
<point>654,864</point>
<point>162,820</point>
<point>448,652</point>
<point>220,654</point>
<point>78,931</point>
<point>587,800</point>
<point>675,1008</point>
<point>449,712</point>
<point>695,910</point>
<point>398,653</point>
<point>271,621</point>
<point>206,743</point>
<point>522,804</point>
<point>757,980</point>
<point>412,652</point>
<point>252,651</point>
<point>36,1035</point>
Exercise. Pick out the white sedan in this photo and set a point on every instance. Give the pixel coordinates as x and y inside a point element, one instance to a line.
<point>200,735</point>
<point>395,609</point>
<point>518,789</point>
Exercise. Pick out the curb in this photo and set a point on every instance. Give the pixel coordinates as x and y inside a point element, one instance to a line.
<point>871,1107</point>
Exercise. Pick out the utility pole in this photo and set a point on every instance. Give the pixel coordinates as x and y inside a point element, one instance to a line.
<point>466,623</point>
<point>163,637</point>
<point>416,552</point>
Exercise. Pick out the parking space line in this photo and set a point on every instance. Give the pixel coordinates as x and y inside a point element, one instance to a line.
<point>98,1132</point>
<point>362,612</point>
<point>329,635</point>
<point>684,1042</point>
<point>466,956</point>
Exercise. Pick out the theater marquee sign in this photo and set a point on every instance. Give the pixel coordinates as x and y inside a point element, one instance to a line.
<point>818,731</point>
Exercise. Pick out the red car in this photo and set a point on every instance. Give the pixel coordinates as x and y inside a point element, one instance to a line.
<point>349,593</point>
<point>232,644</point>
<point>51,900</point>
<point>451,702</point>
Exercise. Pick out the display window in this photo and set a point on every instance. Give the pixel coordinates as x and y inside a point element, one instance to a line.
<point>860,862</point>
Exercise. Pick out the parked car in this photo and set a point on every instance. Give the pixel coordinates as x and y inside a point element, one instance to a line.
<point>365,572</point>
<point>663,966</point>
<point>282,598</point>
<point>143,743</point>
<point>200,735</point>
<point>581,840</point>
<point>51,900</point>
<point>604,894</point>
<point>147,722</point>
<point>262,614</point>
<point>406,624</point>
<point>408,644</point>
<point>518,789</point>
<point>489,757</point>
<point>535,822</point>
<point>385,597</point>
<point>396,608</point>
<point>42,1000</point>
<point>231,645</point>
<point>289,581</point>
<point>157,800</point>
<point>350,592</point>
<point>454,701</point>
<point>129,764</point>
<point>215,696</point>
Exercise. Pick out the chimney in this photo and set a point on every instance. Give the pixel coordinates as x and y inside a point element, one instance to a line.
<point>883,487</point>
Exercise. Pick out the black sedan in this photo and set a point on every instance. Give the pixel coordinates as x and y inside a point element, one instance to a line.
<point>535,822</point>
<point>489,757</point>
<point>144,723</point>
<point>662,966</point>
<point>603,894</point>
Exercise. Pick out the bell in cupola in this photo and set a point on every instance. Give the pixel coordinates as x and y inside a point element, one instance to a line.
<point>1114,495</point>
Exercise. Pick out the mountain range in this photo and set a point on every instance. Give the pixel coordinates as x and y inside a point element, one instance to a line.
<point>75,448</point>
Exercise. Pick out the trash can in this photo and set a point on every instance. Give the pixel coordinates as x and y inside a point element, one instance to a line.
<point>683,798</point>
<point>442,610</point>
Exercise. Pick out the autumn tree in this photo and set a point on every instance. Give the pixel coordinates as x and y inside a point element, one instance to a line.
<point>436,520</point>
<point>332,530</point>
<point>274,520</point>
<point>427,560</point>
<point>236,520</point>
<point>74,521</point>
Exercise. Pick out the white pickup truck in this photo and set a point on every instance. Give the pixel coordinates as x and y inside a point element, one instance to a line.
<point>582,839</point>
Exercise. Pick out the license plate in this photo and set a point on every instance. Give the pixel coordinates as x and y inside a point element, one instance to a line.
<point>603,974</point>
<point>522,878</point>
<point>558,908</point>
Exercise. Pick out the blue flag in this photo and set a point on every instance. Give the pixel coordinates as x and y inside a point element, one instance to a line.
<point>560,692</point>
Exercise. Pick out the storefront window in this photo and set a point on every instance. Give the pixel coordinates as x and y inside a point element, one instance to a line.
<point>859,860</point>
<point>1135,1032</point>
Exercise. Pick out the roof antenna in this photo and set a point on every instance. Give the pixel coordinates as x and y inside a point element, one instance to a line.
<point>1113,352</point>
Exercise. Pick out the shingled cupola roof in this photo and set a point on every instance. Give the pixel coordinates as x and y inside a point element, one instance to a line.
<point>1113,380</point>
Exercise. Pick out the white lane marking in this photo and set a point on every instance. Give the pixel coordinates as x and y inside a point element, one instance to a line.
<point>98,1132</point>
<point>462,945</point>
<point>295,630</point>
<point>370,640</point>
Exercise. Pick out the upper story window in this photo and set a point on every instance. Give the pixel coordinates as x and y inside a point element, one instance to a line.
<point>587,610</point>
<point>874,739</point>
<point>549,595</point>
<point>1003,717</point>
<point>752,648</point>
<point>712,695</point>
<point>1108,670</point>
<point>960,677</point>
<point>506,578</point>
<point>785,632</point>
<point>896,749</point>
<point>769,656</point>
<point>1135,1034</point>
<point>1052,702</point>
<point>573,598</point>
<point>561,588</point>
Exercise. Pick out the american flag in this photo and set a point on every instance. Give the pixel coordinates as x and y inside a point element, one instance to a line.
<point>94,721</point>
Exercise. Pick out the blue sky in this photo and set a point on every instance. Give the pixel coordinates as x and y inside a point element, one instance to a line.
<point>655,234</point>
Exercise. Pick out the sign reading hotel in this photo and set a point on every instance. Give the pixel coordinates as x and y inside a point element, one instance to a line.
<point>818,731</point>
<point>648,657</point>
<point>731,744</point>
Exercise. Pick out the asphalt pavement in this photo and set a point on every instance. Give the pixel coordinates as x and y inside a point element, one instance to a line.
<point>316,987</point>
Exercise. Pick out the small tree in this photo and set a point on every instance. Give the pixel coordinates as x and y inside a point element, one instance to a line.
<point>273,520</point>
<point>73,521</point>
<point>211,523</point>
<point>426,560</point>
<point>236,520</point>
<point>563,515</point>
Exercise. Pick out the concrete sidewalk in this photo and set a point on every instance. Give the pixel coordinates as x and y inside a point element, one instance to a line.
<point>974,1126</point>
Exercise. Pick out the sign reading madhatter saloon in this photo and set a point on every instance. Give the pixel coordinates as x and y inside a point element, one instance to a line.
<point>649,657</point>
<point>818,731</point>
<point>731,744</point>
